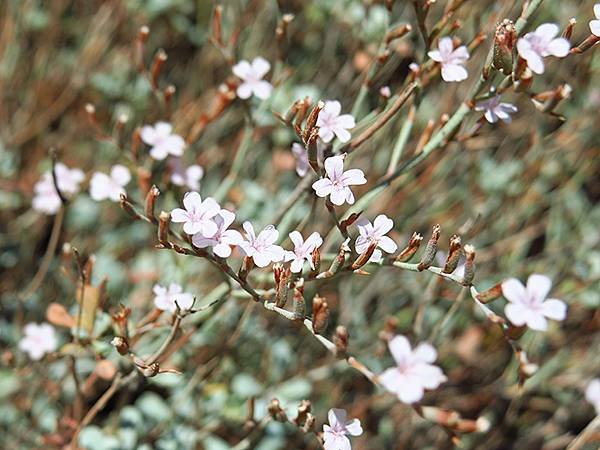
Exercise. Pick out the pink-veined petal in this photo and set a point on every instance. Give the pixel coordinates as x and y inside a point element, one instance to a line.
<point>296,238</point>
<point>353,177</point>
<point>223,250</point>
<point>120,174</point>
<point>242,69</point>
<point>538,287</point>
<point>249,229</point>
<point>192,228</point>
<point>261,259</point>
<point>179,215</point>
<point>338,195</point>
<point>454,73</point>
<point>334,167</point>
<point>554,309</point>
<point>400,349</point>
<point>514,291</point>
<point>192,201</point>
<point>262,89</point>
<point>445,47</point>
<point>342,134</point>
<point>244,90</point>
<point>231,237</point>
<point>323,187</point>
<point>382,225</point>
<point>386,244</point>
<point>559,47</point>
<point>332,108</point>
<point>260,67</point>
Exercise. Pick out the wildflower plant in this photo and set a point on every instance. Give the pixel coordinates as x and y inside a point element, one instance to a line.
<point>318,246</point>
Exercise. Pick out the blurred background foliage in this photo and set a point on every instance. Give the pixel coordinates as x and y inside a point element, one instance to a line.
<point>525,194</point>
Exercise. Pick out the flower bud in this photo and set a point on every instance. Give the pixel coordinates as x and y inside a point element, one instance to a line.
<point>430,250</point>
<point>316,261</point>
<point>453,254</point>
<point>276,411</point>
<point>311,121</point>
<point>164,220</point>
<point>299,305</point>
<point>120,343</point>
<point>320,310</point>
<point>397,32</point>
<point>490,294</point>
<point>505,38</point>
<point>413,245</point>
<point>469,265</point>
<point>340,339</point>
<point>150,371</point>
<point>303,411</point>
<point>364,257</point>
<point>151,197</point>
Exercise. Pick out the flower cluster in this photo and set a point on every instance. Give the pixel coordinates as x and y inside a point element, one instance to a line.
<point>536,45</point>
<point>452,60</point>
<point>337,183</point>
<point>46,199</point>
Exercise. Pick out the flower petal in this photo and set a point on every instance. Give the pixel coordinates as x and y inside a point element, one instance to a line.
<point>323,187</point>
<point>538,287</point>
<point>559,47</point>
<point>192,201</point>
<point>334,166</point>
<point>554,309</point>
<point>400,349</point>
<point>514,291</point>
<point>454,72</point>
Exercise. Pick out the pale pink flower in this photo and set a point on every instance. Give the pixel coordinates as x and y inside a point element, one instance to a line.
<point>38,340</point>
<point>223,239</point>
<point>536,45</point>
<point>103,186</point>
<point>165,298</point>
<point>252,75</point>
<point>385,92</point>
<point>162,139</point>
<point>337,181</point>
<point>302,250</point>
<point>262,248</point>
<point>414,372</point>
<point>495,109</point>
<point>595,24</point>
<point>375,233</point>
<point>189,177</point>
<point>334,434</point>
<point>452,60</point>
<point>197,215</point>
<point>592,393</point>
<point>528,305</point>
<point>331,123</point>
<point>301,155</point>
<point>46,199</point>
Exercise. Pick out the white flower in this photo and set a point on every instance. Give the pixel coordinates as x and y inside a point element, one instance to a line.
<point>302,250</point>
<point>197,215</point>
<point>595,24</point>
<point>162,139</point>
<point>301,155</point>
<point>111,186</point>
<point>330,122</point>
<point>536,45</point>
<point>262,248</point>
<point>46,199</point>
<point>337,181</point>
<point>334,434</point>
<point>528,306</point>
<point>165,298</point>
<point>375,234</point>
<point>494,110</point>
<point>38,340</point>
<point>414,372</point>
<point>189,177</point>
<point>452,60</point>
<point>385,92</point>
<point>252,78</point>
<point>592,392</point>
<point>223,239</point>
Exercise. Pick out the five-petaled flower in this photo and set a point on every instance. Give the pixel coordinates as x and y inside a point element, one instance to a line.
<point>375,233</point>
<point>262,248</point>
<point>189,177</point>
<point>528,305</point>
<point>46,199</point>
<point>536,45</point>
<point>414,371</point>
<point>595,24</point>
<point>495,109</point>
<point>331,123</point>
<point>167,299</point>
<point>38,340</point>
<point>334,434</point>
<point>162,139</point>
<point>301,155</point>
<point>302,250</point>
<point>252,75</point>
<point>592,394</point>
<point>197,215</point>
<point>452,60</point>
<point>111,186</point>
<point>223,239</point>
<point>337,181</point>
